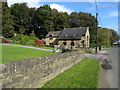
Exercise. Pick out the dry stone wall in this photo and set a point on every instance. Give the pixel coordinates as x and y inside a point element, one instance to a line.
<point>33,73</point>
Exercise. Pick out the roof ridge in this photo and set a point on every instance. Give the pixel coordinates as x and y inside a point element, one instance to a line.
<point>75,27</point>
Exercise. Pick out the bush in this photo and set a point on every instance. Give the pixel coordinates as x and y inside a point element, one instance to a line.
<point>23,39</point>
<point>38,43</point>
<point>92,45</point>
<point>5,40</point>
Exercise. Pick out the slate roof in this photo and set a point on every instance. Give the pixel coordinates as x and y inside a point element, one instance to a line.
<point>53,34</point>
<point>72,33</point>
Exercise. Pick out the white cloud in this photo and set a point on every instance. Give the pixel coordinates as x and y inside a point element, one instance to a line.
<point>113,13</point>
<point>103,0</point>
<point>60,8</point>
<point>31,3</point>
<point>79,0</point>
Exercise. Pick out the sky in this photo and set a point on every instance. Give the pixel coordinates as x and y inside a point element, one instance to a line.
<point>108,11</point>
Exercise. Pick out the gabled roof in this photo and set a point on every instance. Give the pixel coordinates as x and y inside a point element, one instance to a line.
<point>72,33</point>
<point>53,34</point>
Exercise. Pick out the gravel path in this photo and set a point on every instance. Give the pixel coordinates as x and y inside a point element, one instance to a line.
<point>30,47</point>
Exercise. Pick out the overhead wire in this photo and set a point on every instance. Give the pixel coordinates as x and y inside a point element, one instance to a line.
<point>97,11</point>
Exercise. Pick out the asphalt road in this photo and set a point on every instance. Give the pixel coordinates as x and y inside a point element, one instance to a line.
<point>112,74</point>
<point>108,78</point>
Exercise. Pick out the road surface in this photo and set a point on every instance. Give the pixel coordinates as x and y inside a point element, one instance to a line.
<point>108,78</point>
<point>30,47</point>
<point>112,74</point>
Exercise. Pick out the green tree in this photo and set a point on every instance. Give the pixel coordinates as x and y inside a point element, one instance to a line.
<point>7,23</point>
<point>60,20</point>
<point>43,21</point>
<point>20,11</point>
<point>114,36</point>
<point>74,19</point>
<point>31,21</point>
<point>103,37</point>
<point>106,37</point>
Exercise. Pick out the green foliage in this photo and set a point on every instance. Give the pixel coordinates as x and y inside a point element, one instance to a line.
<point>23,39</point>
<point>15,53</point>
<point>84,74</point>
<point>20,11</point>
<point>31,22</point>
<point>92,45</point>
<point>74,19</point>
<point>106,37</point>
<point>43,21</point>
<point>114,36</point>
<point>60,20</point>
<point>7,23</point>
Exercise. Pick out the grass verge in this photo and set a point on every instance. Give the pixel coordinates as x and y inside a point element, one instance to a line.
<point>84,74</point>
<point>106,49</point>
<point>14,53</point>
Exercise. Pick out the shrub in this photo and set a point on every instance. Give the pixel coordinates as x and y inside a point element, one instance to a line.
<point>38,43</point>
<point>92,45</point>
<point>5,41</point>
<point>23,39</point>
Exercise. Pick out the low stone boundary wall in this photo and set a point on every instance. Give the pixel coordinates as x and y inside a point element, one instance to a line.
<point>33,73</point>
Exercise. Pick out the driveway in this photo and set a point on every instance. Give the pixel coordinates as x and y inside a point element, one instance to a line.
<point>30,47</point>
<point>108,78</point>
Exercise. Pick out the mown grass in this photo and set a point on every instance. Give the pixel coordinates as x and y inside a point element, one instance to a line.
<point>46,47</point>
<point>14,53</point>
<point>106,49</point>
<point>85,74</point>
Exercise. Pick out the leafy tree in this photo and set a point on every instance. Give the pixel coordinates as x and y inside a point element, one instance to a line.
<point>43,21</point>
<point>74,20</point>
<point>7,23</point>
<point>60,20</point>
<point>103,37</point>
<point>114,36</point>
<point>20,11</point>
<point>31,21</point>
<point>106,37</point>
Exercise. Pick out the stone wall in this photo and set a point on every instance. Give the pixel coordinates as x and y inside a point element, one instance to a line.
<point>33,73</point>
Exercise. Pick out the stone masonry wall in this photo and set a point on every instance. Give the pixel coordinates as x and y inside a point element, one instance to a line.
<point>33,73</point>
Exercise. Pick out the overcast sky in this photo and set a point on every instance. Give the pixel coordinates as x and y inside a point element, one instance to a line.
<point>108,11</point>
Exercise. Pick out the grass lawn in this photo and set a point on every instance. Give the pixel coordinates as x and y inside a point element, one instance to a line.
<point>106,49</point>
<point>46,47</point>
<point>84,74</point>
<point>14,53</point>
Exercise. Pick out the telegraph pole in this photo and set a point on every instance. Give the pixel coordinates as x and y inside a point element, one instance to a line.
<point>96,33</point>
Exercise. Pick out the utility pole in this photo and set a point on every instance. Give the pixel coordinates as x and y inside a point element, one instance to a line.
<point>96,33</point>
